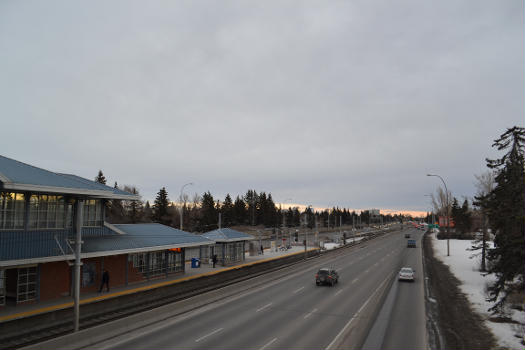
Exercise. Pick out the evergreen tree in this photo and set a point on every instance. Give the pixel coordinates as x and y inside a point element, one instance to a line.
<point>133,209</point>
<point>100,178</point>
<point>239,211</point>
<point>466,218</point>
<point>505,205</point>
<point>455,212</point>
<point>227,211</point>
<point>116,210</point>
<point>252,200</point>
<point>147,212</point>
<point>160,207</point>
<point>209,214</point>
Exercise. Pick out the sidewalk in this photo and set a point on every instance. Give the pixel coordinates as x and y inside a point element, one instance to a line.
<point>9,312</point>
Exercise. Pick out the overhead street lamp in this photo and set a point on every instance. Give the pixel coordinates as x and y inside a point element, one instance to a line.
<point>446,193</point>
<point>180,208</point>
<point>432,209</point>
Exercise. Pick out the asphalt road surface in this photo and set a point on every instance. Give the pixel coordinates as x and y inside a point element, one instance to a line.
<point>294,313</point>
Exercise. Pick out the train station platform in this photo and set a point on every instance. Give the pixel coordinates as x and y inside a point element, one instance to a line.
<point>11,312</point>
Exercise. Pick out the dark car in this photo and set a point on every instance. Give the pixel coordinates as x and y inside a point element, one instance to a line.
<point>326,276</point>
<point>407,235</point>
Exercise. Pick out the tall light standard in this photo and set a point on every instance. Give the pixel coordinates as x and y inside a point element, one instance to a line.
<point>446,193</point>
<point>284,222</point>
<point>181,209</point>
<point>307,211</point>
<point>432,209</point>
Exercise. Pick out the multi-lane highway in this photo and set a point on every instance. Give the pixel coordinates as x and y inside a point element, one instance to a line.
<point>293,313</point>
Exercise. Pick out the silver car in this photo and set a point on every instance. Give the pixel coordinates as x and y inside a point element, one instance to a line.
<point>406,274</point>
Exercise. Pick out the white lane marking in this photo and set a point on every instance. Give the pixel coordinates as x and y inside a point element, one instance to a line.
<point>268,344</point>
<point>308,314</point>
<point>356,315</point>
<point>207,335</point>
<point>339,291</point>
<point>298,290</point>
<point>355,280</point>
<point>263,307</point>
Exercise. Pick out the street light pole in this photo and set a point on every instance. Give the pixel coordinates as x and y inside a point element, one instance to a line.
<point>306,231</point>
<point>181,211</point>
<point>448,224</point>
<point>284,223</point>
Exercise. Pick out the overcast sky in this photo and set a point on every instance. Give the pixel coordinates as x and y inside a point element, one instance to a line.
<point>329,103</point>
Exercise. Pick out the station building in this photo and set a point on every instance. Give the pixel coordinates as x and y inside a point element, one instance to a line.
<point>40,214</point>
<point>230,246</point>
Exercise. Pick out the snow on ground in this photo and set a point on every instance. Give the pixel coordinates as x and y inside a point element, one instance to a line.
<point>473,284</point>
<point>331,245</point>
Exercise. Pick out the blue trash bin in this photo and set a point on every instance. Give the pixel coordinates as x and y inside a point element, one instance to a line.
<point>195,263</point>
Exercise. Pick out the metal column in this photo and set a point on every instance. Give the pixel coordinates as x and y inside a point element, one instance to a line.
<point>78,263</point>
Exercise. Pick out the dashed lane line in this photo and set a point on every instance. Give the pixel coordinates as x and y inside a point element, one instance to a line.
<point>268,344</point>
<point>263,307</point>
<point>209,334</point>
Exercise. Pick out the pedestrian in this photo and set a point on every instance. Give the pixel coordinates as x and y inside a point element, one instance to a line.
<point>105,281</point>
<point>214,260</point>
<point>262,250</point>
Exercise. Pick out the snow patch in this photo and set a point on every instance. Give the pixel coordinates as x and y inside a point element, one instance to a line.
<point>473,283</point>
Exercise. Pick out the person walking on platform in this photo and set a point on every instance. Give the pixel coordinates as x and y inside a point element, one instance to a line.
<point>105,281</point>
<point>214,260</point>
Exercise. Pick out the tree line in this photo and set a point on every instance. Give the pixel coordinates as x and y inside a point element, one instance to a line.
<point>201,213</point>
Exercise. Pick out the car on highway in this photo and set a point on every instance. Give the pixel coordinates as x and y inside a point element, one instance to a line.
<point>406,274</point>
<point>326,276</point>
<point>411,243</point>
<point>407,235</point>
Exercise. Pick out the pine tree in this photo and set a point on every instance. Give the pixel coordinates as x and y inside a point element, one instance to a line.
<point>133,209</point>
<point>116,211</point>
<point>505,205</point>
<point>466,218</point>
<point>160,207</point>
<point>252,201</point>
<point>227,211</point>
<point>147,213</point>
<point>239,211</point>
<point>208,219</point>
<point>100,178</point>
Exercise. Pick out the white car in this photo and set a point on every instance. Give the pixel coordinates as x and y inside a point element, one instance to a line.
<point>406,274</point>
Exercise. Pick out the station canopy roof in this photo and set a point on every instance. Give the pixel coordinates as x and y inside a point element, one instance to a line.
<point>227,235</point>
<point>136,238</point>
<point>20,247</point>
<point>20,177</point>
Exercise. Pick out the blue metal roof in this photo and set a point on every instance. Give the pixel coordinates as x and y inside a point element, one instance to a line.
<point>227,235</point>
<point>51,245</point>
<point>142,237</point>
<point>18,176</point>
